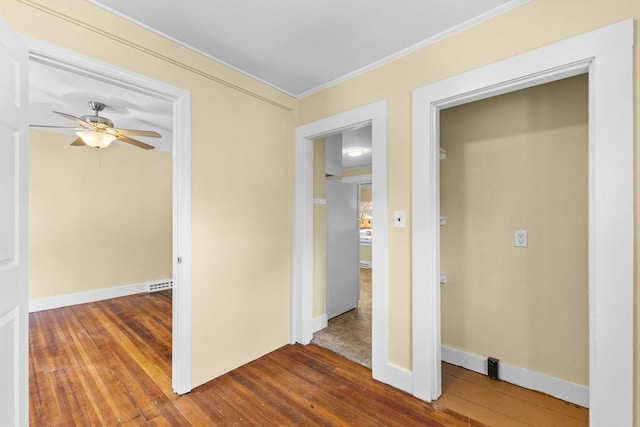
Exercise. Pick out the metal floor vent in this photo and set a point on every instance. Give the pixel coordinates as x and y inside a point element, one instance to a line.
<point>160,286</point>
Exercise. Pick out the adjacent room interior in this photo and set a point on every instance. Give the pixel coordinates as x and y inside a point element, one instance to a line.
<point>100,220</point>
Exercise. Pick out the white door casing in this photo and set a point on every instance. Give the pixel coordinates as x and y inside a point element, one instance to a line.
<point>14,196</point>
<point>607,55</point>
<point>342,248</point>
<point>302,258</point>
<point>76,63</point>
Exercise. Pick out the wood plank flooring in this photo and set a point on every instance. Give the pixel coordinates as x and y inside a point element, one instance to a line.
<point>480,399</point>
<point>109,363</point>
<point>498,403</point>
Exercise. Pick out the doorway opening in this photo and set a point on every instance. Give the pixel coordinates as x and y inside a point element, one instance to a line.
<point>607,56</point>
<point>61,59</point>
<point>510,165</point>
<point>302,302</point>
<point>343,243</point>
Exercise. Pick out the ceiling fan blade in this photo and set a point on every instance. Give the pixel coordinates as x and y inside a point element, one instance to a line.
<point>52,127</point>
<point>135,142</point>
<point>78,142</point>
<point>149,133</point>
<point>76,119</point>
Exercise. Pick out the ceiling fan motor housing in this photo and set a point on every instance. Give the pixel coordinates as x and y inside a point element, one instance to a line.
<point>100,121</point>
<point>97,107</point>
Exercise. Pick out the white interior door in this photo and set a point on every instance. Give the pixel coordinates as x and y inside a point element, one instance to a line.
<point>343,238</point>
<point>14,377</point>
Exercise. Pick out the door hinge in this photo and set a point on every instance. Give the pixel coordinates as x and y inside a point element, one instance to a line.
<point>179,260</point>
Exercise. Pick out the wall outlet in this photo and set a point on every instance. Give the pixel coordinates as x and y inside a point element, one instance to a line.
<point>492,368</point>
<point>520,239</point>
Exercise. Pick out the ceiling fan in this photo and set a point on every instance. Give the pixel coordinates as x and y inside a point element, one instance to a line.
<point>98,131</point>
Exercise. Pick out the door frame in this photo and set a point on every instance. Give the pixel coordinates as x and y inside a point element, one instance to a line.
<point>607,56</point>
<point>302,256</point>
<point>57,57</point>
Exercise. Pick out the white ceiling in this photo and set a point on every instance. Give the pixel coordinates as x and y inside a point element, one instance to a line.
<point>300,46</point>
<point>357,138</point>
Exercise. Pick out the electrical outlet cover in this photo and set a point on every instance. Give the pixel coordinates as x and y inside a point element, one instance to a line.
<point>520,239</point>
<point>493,368</point>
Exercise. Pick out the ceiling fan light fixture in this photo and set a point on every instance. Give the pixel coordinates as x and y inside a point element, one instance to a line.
<point>354,152</point>
<point>96,139</point>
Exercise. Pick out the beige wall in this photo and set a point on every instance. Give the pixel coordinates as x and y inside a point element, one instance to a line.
<point>518,161</point>
<point>97,219</point>
<point>365,193</point>
<point>242,169</point>
<point>535,24</point>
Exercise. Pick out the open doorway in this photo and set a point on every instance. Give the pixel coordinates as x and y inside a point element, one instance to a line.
<point>516,163</point>
<point>342,174</point>
<point>303,295</point>
<point>606,55</point>
<point>109,207</point>
<point>177,100</point>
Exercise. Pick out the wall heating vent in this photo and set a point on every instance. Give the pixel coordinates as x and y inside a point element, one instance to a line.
<point>160,286</point>
<point>365,264</point>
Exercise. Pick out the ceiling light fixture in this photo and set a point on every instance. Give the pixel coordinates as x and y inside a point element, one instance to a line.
<point>96,139</point>
<point>354,152</point>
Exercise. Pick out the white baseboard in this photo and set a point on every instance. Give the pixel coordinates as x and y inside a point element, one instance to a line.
<point>556,387</point>
<point>49,303</point>
<point>320,322</point>
<point>395,376</point>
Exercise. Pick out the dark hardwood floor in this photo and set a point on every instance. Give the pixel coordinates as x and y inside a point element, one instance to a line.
<point>109,363</point>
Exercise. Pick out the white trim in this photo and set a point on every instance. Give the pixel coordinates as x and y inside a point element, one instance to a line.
<point>320,322</point>
<point>422,44</point>
<point>357,179</point>
<point>40,304</point>
<point>565,390</point>
<point>181,249</point>
<point>607,54</point>
<point>181,100</point>
<point>302,256</point>
<point>395,376</point>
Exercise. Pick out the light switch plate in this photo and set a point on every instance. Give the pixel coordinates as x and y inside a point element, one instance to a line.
<point>399,219</point>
